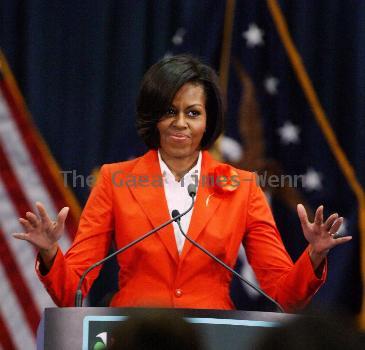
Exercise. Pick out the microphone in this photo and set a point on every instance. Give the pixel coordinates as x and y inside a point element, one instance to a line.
<point>78,295</point>
<point>191,191</point>
<point>176,215</point>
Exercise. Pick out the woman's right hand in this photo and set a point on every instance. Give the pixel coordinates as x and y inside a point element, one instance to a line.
<point>42,232</point>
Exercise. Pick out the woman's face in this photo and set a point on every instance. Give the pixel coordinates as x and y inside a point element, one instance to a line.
<point>182,127</point>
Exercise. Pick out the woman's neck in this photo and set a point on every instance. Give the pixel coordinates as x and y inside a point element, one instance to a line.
<point>179,166</point>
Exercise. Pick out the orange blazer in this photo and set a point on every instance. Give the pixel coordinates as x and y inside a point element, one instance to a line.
<point>129,200</point>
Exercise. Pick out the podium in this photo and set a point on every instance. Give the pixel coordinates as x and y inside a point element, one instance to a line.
<point>82,328</point>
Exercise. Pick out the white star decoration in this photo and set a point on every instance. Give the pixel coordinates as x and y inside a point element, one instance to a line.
<point>230,149</point>
<point>271,85</point>
<point>168,54</point>
<point>312,180</point>
<point>253,35</point>
<point>289,133</point>
<point>178,38</point>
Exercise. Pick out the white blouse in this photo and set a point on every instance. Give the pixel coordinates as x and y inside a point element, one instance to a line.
<point>177,196</point>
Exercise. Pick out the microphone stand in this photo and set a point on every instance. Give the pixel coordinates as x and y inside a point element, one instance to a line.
<point>78,295</point>
<point>176,215</point>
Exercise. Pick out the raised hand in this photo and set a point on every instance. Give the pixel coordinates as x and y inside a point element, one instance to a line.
<point>41,231</point>
<point>321,235</point>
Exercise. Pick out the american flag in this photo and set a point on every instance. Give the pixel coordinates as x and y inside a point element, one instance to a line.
<point>28,173</point>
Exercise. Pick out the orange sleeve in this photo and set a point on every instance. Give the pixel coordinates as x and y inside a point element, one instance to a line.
<point>91,244</point>
<point>292,285</point>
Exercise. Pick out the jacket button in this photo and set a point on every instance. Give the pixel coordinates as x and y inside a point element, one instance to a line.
<point>178,293</point>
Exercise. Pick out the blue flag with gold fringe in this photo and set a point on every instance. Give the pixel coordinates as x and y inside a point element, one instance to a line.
<point>277,127</point>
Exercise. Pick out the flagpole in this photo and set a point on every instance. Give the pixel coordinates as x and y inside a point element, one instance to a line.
<point>224,62</point>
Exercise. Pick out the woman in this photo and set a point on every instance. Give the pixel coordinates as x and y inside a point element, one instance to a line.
<point>180,115</point>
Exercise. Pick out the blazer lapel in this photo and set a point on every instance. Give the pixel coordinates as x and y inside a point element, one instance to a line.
<point>205,206</point>
<point>152,200</point>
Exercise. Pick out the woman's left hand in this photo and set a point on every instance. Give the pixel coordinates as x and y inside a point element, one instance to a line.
<point>321,234</point>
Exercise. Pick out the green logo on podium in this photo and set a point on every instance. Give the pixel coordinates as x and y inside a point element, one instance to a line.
<point>101,342</point>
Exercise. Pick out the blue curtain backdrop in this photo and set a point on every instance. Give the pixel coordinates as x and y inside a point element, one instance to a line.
<point>79,65</point>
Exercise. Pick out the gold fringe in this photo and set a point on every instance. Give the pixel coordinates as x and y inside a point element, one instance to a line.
<point>224,63</point>
<point>226,45</point>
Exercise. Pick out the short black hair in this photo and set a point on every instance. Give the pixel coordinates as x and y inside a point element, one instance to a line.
<point>158,88</point>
